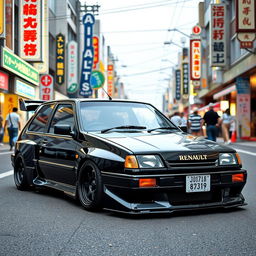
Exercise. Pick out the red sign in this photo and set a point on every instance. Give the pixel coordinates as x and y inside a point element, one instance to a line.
<point>46,87</point>
<point>110,79</point>
<point>195,59</point>
<point>196,30</point>
<point>96,52</point>
<point>4,79</point>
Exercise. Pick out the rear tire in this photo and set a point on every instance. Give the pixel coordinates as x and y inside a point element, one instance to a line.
<point>20,175</point>
<point>89,187</point>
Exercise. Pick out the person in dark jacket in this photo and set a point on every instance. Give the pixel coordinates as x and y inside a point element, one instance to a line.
<point>212,121</point>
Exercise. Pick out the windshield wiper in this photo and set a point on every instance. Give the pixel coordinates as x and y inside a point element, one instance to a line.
<point>162,128</point>
<point>124,127</point>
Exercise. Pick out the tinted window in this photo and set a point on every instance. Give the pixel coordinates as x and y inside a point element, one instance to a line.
<point>39,122</point>
<point>63,115</point>
<point>96,116</point>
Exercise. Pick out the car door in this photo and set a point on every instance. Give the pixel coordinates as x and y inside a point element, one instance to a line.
<point>58,153</point>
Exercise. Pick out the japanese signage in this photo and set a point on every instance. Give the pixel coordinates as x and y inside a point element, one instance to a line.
<point>195,59</point>
<point>72,85</point>
<point>218,52</point>
<point>60,59</point>
<point>25,90</point>
<point>96,52</point>
<point>2,21</point>
<point>46,87</point>
<point>110,80</point>
<point>30,39</point>
<point>9,22</point>
<point>16,65</point>
<point>177,82</point>
<point>243,106</point>
<point>245,22</point>
<point>88,53</point>
<point>4,80</point>
<point>185,79</point>
<point>43,67</point>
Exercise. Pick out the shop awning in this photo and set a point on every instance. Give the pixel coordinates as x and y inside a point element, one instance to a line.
<point>224,92</point>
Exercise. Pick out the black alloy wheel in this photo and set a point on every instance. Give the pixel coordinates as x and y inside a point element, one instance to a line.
<point>20,177</point>
<point>90,187</point>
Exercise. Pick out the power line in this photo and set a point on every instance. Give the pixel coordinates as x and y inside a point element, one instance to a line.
<point>147,72</point>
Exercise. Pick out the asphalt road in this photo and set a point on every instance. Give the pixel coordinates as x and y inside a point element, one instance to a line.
<point>49,223</point>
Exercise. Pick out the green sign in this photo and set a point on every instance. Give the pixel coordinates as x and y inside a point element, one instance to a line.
<point>97,79</point>
<point>72,88</point>
<point>15,64</point>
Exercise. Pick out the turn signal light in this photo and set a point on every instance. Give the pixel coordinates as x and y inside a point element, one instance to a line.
<point>238,177</point>
<point>238,159</point>
<point>131,162</point>
<point>145,183</point>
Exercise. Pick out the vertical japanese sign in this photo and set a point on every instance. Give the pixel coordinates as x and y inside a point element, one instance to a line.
<point>4,81</point>
<point>9,23</point>
<point>96,52</point>
<point>177,82</point>
<point>185,79</point>
<point>2,21</point>
<point>218,52</point>
<point>43,67</point>
<point>195,59</point>
<point>30,46</point>
<point>243,106</point>
<point>88,53</point>
<point>110,79</point>
<point>46,87</point>
<point>245,22</point>
<point>72,85</point>
<point>60,59</point>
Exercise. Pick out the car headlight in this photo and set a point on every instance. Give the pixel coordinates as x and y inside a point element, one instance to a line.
<point>149,161</point>
<point>227,159</point>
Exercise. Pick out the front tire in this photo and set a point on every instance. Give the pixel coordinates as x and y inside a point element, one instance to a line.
<point>89,187</point>
<point>20,176</point>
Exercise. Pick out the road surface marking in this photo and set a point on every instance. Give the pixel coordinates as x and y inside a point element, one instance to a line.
<point>6,174</point>
<point>6,153</point>
<point>245,152</point>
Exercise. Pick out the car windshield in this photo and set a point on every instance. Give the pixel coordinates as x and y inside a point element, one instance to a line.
<point>98,116</point>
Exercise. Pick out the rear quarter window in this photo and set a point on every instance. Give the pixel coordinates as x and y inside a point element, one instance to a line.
<point>40,121</point>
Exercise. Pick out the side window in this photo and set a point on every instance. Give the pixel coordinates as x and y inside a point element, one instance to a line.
<point>64,115</point>
<point>39,122</point>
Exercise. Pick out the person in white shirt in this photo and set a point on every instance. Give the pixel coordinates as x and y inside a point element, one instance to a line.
<point>226,121</point>
<point>12,123</point>
<point>175,119</point>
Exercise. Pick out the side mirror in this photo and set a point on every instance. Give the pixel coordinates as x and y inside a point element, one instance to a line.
<point>63,129</point>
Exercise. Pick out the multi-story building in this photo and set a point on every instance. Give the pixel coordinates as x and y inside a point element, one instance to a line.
<point>225,85</point>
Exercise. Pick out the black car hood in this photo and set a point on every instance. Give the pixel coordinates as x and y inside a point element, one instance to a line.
<point>163,142</point>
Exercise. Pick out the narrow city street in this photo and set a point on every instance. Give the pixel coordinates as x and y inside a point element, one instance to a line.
<point>48,223</point>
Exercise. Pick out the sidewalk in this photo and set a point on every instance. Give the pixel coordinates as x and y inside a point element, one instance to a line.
<point>239,142</point>
<point>4,147</point>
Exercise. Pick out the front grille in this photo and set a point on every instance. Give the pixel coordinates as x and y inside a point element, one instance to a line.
<point>209,163</point>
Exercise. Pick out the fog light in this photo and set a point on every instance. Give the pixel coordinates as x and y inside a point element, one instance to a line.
<point>145,183</point>
<point>238,177</point>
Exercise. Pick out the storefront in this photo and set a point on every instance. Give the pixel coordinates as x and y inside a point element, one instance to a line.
<point>18,79</point>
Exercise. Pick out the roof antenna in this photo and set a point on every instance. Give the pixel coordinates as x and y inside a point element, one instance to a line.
<point>109,97</point>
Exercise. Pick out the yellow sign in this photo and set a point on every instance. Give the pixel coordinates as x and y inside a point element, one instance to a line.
<point>2,23</point>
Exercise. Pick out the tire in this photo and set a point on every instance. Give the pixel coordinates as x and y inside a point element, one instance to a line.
<point>89,187</point>
<point>20,175</point>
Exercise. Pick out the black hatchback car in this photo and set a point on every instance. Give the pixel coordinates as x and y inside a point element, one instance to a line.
<point>123,156</point>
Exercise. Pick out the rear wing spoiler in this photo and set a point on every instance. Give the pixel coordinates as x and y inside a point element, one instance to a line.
<point>29,105</point>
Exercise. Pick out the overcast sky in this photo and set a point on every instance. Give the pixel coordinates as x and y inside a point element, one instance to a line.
<point>136,34</point>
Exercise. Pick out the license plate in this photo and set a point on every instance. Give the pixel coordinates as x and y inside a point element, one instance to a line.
<point>198,183</point>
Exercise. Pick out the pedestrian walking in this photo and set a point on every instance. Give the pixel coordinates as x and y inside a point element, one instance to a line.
<point>183,122</point>
<point>212,121</point>
<point>12,123</point>
<point>226,121</point>
<point>176,119</point>
<point>1,130</point>
<point>195,123</point>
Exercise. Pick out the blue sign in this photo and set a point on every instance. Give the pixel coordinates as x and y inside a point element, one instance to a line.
<point>88,54</point>
<point>242,85</point>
